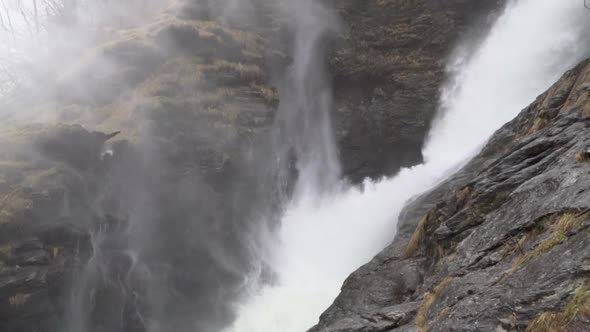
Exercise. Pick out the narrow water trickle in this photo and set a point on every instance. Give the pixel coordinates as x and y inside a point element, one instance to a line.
<point>325,237</point>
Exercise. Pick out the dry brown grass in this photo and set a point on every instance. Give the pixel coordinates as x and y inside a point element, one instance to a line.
<point>417,238</point>
<point>5,249</point>
<point>538,124</point>
<point>557,321</point>
<point>429,299</point>
<point>252,44</point>
<point>42,177</point>
<point>558,229</point>
<point>243,70</point>
<point>177,85</point>
<point>11,165</point>
<point>18,299</point>
<point>464,194</point>
<point>13,205</point>
<point>147,40</point>
<point>583,156</point>
<point>55,251</point>
<point>266,92</point>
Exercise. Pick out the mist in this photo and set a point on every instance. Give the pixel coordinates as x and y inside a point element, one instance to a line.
<point>187,150</point>
<point>175,204</point>
<point>323,238</point>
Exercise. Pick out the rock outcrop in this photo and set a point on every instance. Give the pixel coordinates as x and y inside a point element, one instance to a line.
<point>502,245</point>
<point>388,73</point>
<point>46,192</point>
<point>102,228</point>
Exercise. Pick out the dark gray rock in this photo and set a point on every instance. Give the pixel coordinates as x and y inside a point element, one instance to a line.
<point>387,75</point>
<point>159,206</point>
<point>503,241</point>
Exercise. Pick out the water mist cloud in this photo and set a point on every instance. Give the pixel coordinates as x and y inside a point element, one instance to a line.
<point>168,206</point>
<point>321,241</point>
<point>472,94</point>
<point>195,206</point>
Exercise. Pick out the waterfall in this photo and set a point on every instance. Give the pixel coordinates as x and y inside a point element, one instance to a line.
<point>325,236</point>
<point>306,96</point>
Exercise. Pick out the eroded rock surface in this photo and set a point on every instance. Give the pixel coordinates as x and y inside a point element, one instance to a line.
<point>131,202</point>
<point>48,185</point>
<point>503,245</point>
<point>388,73</point>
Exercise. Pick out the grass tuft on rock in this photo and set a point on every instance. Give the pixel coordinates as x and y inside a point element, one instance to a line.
<point>556,321</point>
<point>429,299</point>
<point>13,206</point>
<point>18,299</point>
<point>5,250</point>
<point>417,238</point>
<point>583,156</point>
<point>558,229</point>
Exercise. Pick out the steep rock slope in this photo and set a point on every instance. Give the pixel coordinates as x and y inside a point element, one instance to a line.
<point>85,214</point>
<point>387,75</point>
<point>192,97</point>
<point>503,245</point>
<point>49,179</point>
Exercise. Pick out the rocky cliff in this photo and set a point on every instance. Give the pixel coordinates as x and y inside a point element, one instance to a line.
<point>88,219</point>
<point>387,75</point>
<point>502,245</point>
<point>129,203</point>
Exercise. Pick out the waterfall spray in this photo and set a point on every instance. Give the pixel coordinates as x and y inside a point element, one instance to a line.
<point>306,96</point>
<point>322,240</point>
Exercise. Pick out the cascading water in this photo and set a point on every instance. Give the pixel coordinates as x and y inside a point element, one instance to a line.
<point>306,96</point>
<point>323,238</point>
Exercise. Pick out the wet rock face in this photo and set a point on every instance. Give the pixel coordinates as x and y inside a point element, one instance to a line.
<point>501,246</point>
<point>387,76</point>
<point>387,71</point>
<point>144,230</point>
<point>168,197</point>
<point>45,221</point>
<point>34,278</point>
<point>81,230</point>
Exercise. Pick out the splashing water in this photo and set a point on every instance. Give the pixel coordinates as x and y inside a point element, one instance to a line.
<point>323,238</point>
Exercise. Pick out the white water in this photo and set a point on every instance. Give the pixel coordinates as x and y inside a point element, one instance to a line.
<point>324,238</point>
